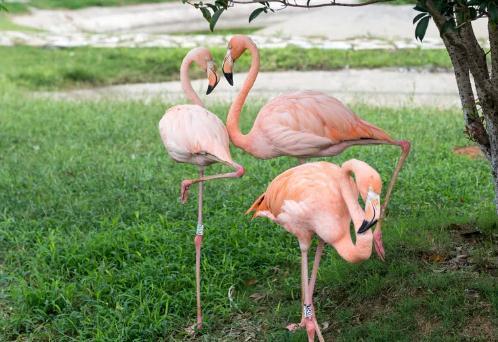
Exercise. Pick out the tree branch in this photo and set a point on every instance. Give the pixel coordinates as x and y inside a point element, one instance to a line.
<point>287,3</point>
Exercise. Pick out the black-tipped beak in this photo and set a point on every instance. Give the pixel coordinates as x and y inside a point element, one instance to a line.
<point>365,225</point>
<point>229,77</point>
<point>210,89</point>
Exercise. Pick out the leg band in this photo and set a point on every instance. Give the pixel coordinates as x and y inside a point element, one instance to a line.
<point>308,311</point>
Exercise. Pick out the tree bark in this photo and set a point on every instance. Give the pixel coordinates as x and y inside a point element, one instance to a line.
<point>468,57</point>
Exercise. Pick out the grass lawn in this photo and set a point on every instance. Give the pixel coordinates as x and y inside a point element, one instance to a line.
<point>94,243</point>
<point>7,25</point>
<point>34,68</point>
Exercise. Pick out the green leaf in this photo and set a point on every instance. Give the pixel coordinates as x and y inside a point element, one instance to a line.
<point>214,18</point>
<point>206,14</point>
<point>422,28</point>
<point>418,17</point>
<point>213,7</point>
<point>256,12</point>
<point>493,12</point>
<point>222,3</point>
<point>420,8</point>
<point>472,13</point>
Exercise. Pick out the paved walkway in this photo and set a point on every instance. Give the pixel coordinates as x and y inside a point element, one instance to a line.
<point>379,87</point>
<point>44,39</point>
<point>376,26</point>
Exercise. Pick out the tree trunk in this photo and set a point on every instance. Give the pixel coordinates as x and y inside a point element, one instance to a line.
<point>468,57</point>
<point>492,128</point>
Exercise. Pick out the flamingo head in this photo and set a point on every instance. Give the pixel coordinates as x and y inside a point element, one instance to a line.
<point>203,58</point>
<point>369,185</point>
<point>212,76</point>
<point>236,47</point>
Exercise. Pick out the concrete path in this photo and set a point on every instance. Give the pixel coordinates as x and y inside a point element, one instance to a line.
<point>379,87</point>
<point>337,23</point>
<point>373,26</point>
<point>75,39</point>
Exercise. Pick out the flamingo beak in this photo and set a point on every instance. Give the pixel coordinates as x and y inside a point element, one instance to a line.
<point>213,79</point>
<point>228,67</point>
<point>366,225</point>
<point>372,207</point>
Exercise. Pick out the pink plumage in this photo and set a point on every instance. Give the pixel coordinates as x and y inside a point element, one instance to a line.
<point>321,199</point>
<point>194,135</point>
<point>302,124</point>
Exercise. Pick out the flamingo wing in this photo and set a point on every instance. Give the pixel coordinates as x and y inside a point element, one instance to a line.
<point>302,123</point>
<point>192,134</point>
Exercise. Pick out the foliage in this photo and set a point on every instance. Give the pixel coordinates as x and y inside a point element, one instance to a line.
<point>33,68</point>
<point>96,246</point>
<point>454,11</point>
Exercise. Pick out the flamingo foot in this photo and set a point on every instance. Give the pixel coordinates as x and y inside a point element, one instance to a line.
<point>295,326</point>
<point>310,330</point>
<point>184,190</point>
<point>193,329</point>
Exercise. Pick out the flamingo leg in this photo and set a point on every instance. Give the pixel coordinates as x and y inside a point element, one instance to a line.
<point>239,172</point>
<point>314,272</point>
<point>307,307</point>
<point>379,247</point>
<point>198,244</point>
<point>405,150</point>
<point>316,264</point>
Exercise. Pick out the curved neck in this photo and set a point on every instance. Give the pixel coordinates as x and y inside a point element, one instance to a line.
<point>185,81</point>
<point>233,118</point>
<point>362,249</point>
<point>355,252</point>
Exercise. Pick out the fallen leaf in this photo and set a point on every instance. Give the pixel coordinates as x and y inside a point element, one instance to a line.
<point>257,296</point>
<point>250,282</point>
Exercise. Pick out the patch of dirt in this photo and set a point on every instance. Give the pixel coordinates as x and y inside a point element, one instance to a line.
<point>244,327</point>
<point>480,327</point>
<point>473,152</point>
<point>426,325</point>
<point>467,251</point>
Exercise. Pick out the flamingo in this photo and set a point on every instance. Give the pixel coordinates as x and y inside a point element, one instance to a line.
<point>194,135</point>
<point>321,198</point>
<point>302,124</point>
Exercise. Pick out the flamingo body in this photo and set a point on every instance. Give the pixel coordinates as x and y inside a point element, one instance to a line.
<point>310,199</point>
<point>322,198</point>
<point>304,123</point>
<point>194,135</point>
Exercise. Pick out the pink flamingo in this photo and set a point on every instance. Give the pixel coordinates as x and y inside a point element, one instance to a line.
<point>194,135</point>
<point>321,198</point>
<point>302,124</point>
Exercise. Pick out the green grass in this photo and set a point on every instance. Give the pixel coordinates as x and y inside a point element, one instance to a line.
<point>7,25</point>
<point>96,246</point>
<point>34,68</point>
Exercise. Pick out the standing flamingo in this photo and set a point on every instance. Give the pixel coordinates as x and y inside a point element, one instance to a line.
<point>302,124</point>
<point>321,198</point>
<point>194,135</point>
